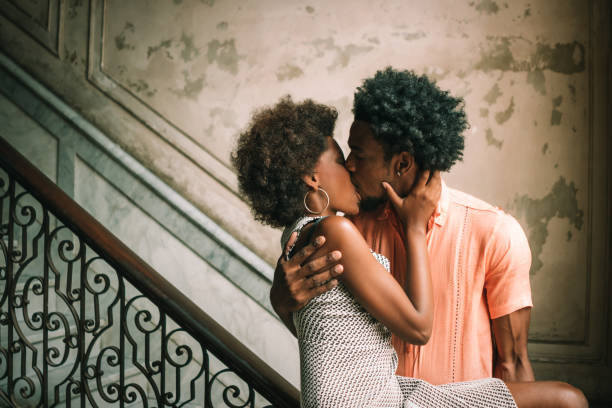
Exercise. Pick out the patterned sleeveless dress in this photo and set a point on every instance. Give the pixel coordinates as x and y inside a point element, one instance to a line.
<point>347,360</point>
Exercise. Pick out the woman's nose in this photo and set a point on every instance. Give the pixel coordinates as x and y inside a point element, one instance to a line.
<point>349,163</point>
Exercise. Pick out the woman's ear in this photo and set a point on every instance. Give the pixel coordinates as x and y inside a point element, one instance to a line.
<point>311,180</point>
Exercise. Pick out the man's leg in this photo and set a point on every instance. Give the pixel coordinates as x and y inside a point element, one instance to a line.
<point>547,394</point>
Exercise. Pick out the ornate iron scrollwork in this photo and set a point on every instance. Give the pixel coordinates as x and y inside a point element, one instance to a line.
<point>73,331</point>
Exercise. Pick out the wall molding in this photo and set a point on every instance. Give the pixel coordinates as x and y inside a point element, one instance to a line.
<point>78,137</point>
<point>49,33</point>
<point>144,112</point>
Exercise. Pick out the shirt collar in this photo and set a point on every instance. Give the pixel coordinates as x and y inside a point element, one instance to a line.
<point>441,212</point>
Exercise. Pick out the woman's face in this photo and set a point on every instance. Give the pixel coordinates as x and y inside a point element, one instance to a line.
<point>336,180</point>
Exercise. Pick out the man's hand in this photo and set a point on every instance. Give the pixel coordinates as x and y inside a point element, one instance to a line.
<point>511,362</point>
<point>299,279</point>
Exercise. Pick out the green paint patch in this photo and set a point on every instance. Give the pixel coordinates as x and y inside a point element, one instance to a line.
<point>545,148</point>
<point>484,112</point>
<point>563,58</point>
<point>569,236</point>
<point>493,94</point>
<point>164,44</point>
<point>492,141</point>
<point>209,3</point>
<point>121,40</point>
<point>487,6</point>
<point>343,55</point>
<point>556,115</point>
<point>222,25</point>
<point>501,117</point>
<point>288,72</point>
<point>224,54</point>
<point>141,87</point>
<point>537,80</point>
<point>189,51</point>
<point>527,12</point>
<point>561,202</point>
<point>498,57</point>
<point>414,36</point>
<point>192,87</point>
<point>572,90</point>
<point>566,58</point>
<point>310,9</point>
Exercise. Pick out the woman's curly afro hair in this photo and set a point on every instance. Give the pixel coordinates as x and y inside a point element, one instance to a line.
<point>410,113</point>
<point>282,144</point>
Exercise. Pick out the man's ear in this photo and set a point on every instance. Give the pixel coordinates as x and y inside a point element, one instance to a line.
<point>402,163</point>
<point>311,180</point>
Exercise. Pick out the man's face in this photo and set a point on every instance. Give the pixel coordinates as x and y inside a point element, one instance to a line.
<point>367,165</point>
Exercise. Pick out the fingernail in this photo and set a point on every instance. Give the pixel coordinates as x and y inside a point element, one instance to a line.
<point>319,241</point>
<point>336,255</point>
<point>338,268</point>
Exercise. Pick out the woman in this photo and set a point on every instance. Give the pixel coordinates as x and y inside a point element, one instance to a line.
<point>290,169</point>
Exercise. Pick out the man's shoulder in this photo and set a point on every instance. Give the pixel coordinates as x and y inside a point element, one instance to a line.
<point>483,215</point>
<point>463,199</point>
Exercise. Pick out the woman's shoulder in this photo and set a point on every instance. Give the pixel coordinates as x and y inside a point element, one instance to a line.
<point>338,228</point>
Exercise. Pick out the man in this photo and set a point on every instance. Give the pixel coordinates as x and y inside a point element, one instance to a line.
<point>479,255</point>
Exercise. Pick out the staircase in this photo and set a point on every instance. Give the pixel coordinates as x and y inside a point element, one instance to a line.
<point>85,322</point>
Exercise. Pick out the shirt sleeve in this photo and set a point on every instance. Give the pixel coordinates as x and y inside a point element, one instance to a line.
<point>508,263</point>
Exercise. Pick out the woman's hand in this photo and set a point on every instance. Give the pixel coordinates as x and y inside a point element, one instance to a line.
<point>416,208</point>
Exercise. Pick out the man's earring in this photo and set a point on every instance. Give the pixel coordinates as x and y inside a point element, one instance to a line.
<point>398,173</point>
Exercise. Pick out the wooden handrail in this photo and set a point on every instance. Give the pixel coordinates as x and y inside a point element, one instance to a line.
<point>166,296</point>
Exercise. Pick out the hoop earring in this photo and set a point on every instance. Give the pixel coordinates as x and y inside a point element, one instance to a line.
<point>324,208</point>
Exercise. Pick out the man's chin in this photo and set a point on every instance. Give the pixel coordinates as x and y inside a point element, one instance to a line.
<point>371,203</point>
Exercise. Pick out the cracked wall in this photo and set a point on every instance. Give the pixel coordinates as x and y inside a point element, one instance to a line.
<point>203,66</point>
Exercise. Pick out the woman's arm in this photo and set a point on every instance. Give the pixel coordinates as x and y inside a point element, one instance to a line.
<point>407,314</point>
<point>408,311</point>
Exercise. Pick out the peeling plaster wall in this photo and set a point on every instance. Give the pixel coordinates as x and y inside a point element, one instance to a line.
<point>174,82</point>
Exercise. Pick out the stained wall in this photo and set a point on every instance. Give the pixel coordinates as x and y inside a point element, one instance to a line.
<point>174,82</point>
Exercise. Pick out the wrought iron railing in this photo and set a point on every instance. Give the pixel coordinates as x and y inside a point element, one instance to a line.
<point>85,322</point>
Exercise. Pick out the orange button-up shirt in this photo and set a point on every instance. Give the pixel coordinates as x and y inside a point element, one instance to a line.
<point>480,262</point>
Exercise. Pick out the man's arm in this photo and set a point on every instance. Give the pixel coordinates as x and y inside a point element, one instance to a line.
<point>299,279</point>
<point>508,293</point>
<point>511,362</point>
